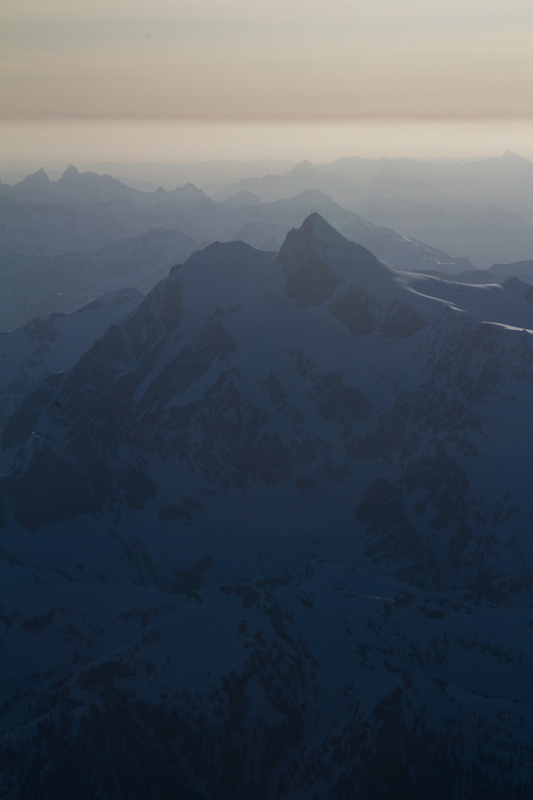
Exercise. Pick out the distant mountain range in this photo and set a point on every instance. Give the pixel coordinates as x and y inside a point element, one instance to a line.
<point>65,242</point>
<point>40,284</point>
<point>481,210</point>
<point>270,536</point>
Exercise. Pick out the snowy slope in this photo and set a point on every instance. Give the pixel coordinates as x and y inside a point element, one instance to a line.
<point>322,682</point>
<point>310,361</point>
<point>50,345</point>
<point>270,536</point>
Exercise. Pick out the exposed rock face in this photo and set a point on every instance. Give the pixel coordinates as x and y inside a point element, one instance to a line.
<point>277,524</point>
<point>308,279</point>
<point>401,320</point>
<point>356,310</point>
<point>389,531</point>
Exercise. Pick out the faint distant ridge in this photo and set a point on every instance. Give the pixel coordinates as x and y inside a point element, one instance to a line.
<point>304,167</point>
<point>303,176</point>
<point>517,269</point>
<point>481,209</point>
<point>510,154</point>
<point>34,187</point>
<point>105,210</point>
<point>241,199</point>
<point>75,186</point>
<point>39,177</point>
<point>40,284</point>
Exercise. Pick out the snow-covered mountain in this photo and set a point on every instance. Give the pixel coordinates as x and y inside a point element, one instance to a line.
<point>46,346</point>
<point>270,536</point>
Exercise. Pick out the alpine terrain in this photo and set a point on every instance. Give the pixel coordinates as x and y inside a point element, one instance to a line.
<point>270,536</point>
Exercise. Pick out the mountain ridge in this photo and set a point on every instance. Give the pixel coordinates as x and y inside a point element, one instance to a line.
<point>176,344</point>
<point>271,534</point>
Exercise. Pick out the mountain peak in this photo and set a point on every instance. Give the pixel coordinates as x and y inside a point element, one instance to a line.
<point>308,276</point>
<point>314,234</point>
<point>316,228</point>
<point>316,258</point>
<point>71,172</point>
<point>303,168</point>
<point>36,178</point>
<point>511,155</point>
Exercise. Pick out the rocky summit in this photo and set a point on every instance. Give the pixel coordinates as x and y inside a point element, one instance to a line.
<point>270,537</point>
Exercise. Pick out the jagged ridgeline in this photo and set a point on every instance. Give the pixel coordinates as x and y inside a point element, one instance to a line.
<point>65,242</point>
<point>270,536</point>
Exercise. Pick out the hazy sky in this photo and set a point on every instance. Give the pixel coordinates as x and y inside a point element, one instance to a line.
<point>171,79</point>
<point>265,59</point>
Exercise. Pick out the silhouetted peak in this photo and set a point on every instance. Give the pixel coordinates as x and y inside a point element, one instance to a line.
<point>313,234</point>
<point>36,178</point>
<point>303,168</point>
<point>71,172</point>
<point>511,155</point>
<point>316,228</point>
